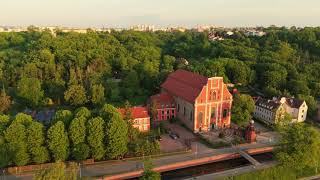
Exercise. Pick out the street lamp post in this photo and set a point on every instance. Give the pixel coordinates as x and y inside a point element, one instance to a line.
<point>4,174</point>
<point>196,152</point>
<point>80,170</point>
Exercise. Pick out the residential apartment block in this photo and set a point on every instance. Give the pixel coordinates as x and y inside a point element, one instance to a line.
<point>271,111</point>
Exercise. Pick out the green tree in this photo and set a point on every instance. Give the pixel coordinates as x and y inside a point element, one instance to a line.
<point>242,108</point>
<point>298,87</point>
<point>75,95</point>
<point>97,94</point>
<point>77,134</point>
<point>5,155</point>
<point>77,130</point>
<point>130,83</point>
<point>58,171</point>
<point>144,147</point>
<point>95,137</point>
<point>107,112</point>
<point>16,137</point>
<point>63,115</point>
<point>116,132</point>
<point>148,173</point>
<point>128,119</point>
<point>238,72</point>
<point>283,120</point>
<point>167,63</point>
<point>113,90</point>
<point>4,123</point>
<point>36,139</point>
<point>23,119</point>
<point>80,151</point>
<point>82,112</point>
<point>5,101</point>
<point>58,141</point>
<point>300,146</point>
<point>28,85</point>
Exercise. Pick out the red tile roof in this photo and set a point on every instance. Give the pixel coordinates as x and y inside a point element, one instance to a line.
<point>185,84</point>
<point>163,99</point>
<point>136,112</point>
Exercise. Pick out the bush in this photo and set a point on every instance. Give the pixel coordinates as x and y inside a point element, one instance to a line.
<point>237,140</point>
<point>163,130</point>
<point>173,120</point>
<point>222,135</point>
<point>81,151</point>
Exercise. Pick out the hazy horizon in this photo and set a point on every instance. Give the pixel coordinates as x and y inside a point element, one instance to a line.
<point>188,13</point>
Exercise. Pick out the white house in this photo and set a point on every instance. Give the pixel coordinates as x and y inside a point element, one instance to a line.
<point>271,111</point>
<point>296,108</point>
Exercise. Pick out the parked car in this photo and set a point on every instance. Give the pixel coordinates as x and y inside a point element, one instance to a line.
<point>158,138</point>
<point>177,135</point>
<point>173,136</point>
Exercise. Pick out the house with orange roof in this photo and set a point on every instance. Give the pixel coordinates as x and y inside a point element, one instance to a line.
<point>139,116</point>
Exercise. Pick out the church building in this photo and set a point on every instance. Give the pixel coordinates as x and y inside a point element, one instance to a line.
<point>202,103</point>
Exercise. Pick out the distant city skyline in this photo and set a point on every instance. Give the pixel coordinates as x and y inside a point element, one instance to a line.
<point>188,13</point>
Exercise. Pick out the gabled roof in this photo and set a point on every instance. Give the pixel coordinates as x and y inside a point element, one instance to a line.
<point>136,112</point>
<point>294,103</point>
<point>185,84</point>
<point>268,104</point>
<point>163,100</point>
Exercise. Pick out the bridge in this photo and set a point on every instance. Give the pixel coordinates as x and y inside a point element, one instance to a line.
<point>248,157</point>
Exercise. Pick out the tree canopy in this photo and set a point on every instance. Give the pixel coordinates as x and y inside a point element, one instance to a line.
<point>58,141</point>
<point>300,146</point>
<point>116,132</point>
<point>99,66</point>
<point>242,108</point>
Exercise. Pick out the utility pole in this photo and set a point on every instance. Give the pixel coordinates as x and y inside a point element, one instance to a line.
<point>196,151</point>
<point>4,174</point>
<point>80,170</point>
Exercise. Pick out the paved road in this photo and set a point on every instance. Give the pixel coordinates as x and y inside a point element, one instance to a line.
<point>117,167</point>
<point>122,167</point>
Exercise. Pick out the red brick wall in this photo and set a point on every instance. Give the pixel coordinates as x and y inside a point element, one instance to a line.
<point>162,117</point>
<point>214,96</point>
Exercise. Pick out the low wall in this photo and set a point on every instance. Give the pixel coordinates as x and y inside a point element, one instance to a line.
<point>190,163</point>
<point>37,167</point>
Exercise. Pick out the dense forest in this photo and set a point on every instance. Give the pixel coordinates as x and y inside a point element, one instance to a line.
<point>77,74</point>
<point>89,69</point>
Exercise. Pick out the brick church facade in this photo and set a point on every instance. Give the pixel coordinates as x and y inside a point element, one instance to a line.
<point>201,103</point>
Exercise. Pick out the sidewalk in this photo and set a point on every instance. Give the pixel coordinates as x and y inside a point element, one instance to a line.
<point>117,167</point>
<point>123,167</point>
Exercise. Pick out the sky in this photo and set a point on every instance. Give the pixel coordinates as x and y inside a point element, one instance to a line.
<point>161,13</point>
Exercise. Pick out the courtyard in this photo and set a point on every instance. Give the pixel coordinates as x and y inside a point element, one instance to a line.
<point>209,141</point>
<point>186,141</point>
